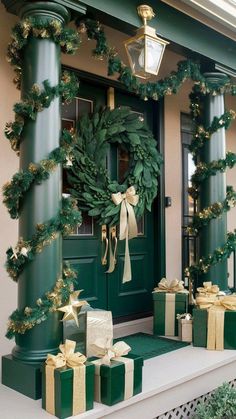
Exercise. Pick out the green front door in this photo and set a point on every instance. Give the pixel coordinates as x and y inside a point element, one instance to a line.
<point>86,248</point>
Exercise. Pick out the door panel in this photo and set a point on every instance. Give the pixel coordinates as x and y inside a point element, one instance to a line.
<point>84,249</point>
<point>134,297</point>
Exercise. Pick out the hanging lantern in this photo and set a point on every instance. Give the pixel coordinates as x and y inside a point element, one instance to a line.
<point>145,50</point>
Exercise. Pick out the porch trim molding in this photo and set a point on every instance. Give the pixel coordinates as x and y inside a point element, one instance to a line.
<point>223,11</point>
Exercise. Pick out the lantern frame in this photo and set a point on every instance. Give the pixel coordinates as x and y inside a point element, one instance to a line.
<point>144,35</point>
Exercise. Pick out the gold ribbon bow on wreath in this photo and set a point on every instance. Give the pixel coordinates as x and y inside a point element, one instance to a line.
<point>68,357</point>
<point>216,314</point>
<point>168,285</point>
<point>128,224</point>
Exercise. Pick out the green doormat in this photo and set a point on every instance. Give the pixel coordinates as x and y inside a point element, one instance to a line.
<point>149,346</point>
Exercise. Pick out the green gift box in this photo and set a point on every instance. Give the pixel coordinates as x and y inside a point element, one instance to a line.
<point>166,307</point>
<point>67,382</point>
<point>118,381</point>
<point>63,390</point>
<point>200,329</point>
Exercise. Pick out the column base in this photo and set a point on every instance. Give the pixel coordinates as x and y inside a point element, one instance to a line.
<point>24,378</point>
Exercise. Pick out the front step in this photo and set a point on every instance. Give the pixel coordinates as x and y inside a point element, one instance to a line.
<point>144,325</point>
<point>169,381</point>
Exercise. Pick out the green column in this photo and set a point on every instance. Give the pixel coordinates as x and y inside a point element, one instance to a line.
<point>213,189</point>
<point>41,62</point>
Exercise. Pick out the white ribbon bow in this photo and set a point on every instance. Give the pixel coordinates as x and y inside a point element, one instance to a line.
<point>128,224</point>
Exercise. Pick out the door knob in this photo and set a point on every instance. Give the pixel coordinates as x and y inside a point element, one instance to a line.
<point>114,239</point>
<point>104,240</point>
<point>112,252</point>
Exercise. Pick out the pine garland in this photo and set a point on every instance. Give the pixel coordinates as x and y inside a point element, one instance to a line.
<point>37,100</point>
<point>204,171</point>
<point>219,254</point>
<point>25,250</point>
<point>156,90</point>
<point>31,27</point>
<point>14,191</point>
<point>89,180</point>
<point>215,210</point>
<point>21,321</point>
<point>203,135</point>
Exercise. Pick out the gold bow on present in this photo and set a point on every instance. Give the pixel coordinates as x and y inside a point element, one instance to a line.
<point>128,223</point>
<point>208,289</point>
<point>168,285</point>
<point>69,358</point>
<point>216,314</point>
<point>102,348</point>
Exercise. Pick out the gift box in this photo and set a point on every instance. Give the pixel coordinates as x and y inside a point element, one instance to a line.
<point>67,390</point>
<point>166,307</point>
<point>118,374</point>
<point>118,381</point>
<point>185,329</point>
<point>200,329</point>
<point>93,323</point>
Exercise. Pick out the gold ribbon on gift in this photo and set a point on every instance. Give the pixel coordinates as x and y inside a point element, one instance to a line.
<point>208,289</point>
<point>216,314</point>
<point>103,349</point>
<point>128,224</point>
<point>171,285</point>
<point>68,357</point>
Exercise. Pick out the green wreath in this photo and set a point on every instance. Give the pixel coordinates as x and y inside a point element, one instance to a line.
<point>88,178</point>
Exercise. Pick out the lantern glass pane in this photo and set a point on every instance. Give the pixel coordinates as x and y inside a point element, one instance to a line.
<point>136,54</point>
<point>154,52</point>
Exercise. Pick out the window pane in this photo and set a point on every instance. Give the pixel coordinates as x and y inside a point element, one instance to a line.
<point>189,243</point>
<point>86,228</point>
<point>192,251</point>
<point>140,224</point>
<point>68,111</point>
<point>68,124</point>
<point>123,163</point>
<point>191,170</point>
<point>83,107</point>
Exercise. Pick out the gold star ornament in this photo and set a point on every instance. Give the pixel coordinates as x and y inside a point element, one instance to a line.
<point>73,308</point>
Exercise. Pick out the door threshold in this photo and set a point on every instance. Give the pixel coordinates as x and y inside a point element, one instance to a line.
<point>144,325</point>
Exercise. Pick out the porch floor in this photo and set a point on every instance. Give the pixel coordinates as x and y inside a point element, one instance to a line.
<point>169,381</point>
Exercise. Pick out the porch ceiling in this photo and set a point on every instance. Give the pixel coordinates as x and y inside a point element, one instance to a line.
<point>187,36</point>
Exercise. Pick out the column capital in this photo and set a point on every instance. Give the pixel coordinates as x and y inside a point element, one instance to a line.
<point>45,10</point>
<point>214,77</point>
<point>16,6</point>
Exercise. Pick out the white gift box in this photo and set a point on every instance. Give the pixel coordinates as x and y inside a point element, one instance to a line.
<point>93,324</point>
<point>185,329</point>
